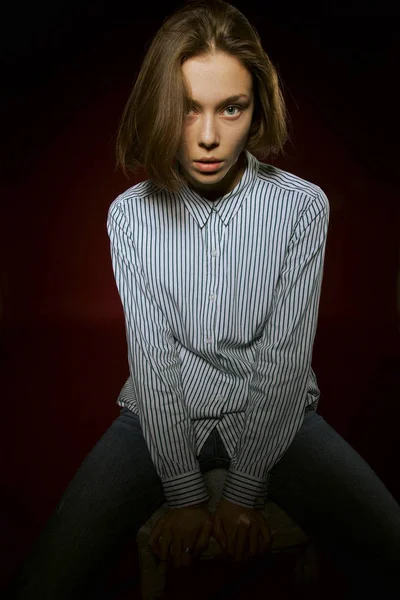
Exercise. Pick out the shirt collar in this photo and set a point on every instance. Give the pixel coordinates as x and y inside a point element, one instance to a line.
<point>227,206</point>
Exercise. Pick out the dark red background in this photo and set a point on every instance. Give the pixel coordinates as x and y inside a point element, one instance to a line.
<point>63,347</point>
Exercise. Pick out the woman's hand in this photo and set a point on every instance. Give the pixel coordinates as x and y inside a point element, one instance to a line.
<point>187,527</point>
<point>241,532</point>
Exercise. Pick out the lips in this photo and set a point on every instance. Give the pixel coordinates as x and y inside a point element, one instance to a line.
<point>209,159</point>
<point>207,166</point>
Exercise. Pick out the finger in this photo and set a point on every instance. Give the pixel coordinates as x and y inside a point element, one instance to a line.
<point>154,539</point>
<point>241,540</point>
<point>164,542</point>
<point>176,550</point>
<point>254,536</point>
<point>219,534</point>
<point>186,557</point>
<point>231,533</point>
<point>265,533</point>
<point>262,543</point>
<point>203,538</point>
<point>155,534</point>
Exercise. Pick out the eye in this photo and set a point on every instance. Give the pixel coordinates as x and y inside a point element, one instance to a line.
<point>239,108</point>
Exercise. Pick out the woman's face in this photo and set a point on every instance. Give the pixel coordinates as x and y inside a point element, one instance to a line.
<point>213,126</point>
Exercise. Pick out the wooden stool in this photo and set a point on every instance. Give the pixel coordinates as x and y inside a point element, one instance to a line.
<point>286,534</point>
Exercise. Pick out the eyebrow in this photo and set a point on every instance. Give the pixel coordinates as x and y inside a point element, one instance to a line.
<point>223,102</point>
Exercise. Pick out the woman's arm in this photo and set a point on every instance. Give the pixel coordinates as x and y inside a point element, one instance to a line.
<point>155,369</point>
<point>278,389</point>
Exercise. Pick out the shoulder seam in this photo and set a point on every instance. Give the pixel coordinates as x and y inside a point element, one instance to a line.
<point>303,184</point>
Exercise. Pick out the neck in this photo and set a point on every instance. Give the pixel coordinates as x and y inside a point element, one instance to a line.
<point>227,184</point>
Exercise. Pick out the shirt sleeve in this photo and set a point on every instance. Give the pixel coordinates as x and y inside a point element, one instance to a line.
<point>155,370</point>
<point>278,387</point>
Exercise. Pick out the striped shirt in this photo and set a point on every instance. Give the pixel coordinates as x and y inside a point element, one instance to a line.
<point>221,303</point>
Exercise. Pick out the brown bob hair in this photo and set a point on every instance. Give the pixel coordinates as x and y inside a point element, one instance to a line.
<point>148,135</point>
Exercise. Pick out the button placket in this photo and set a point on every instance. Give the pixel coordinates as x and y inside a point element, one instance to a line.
<point>212,274</point>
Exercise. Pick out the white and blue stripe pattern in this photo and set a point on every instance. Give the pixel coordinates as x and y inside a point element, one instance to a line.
<point>221,305</point>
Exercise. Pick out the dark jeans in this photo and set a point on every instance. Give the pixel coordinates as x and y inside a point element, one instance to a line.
<point>326,487</point>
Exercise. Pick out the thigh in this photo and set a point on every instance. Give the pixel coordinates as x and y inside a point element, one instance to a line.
<point>339,501</point>
<point>112,494</point>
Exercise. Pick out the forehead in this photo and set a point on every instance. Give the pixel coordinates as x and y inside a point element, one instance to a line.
<point>216,77</point>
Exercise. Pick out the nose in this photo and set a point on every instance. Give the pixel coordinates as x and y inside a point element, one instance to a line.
<point>208,131</point>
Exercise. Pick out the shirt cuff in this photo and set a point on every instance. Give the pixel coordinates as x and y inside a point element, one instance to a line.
<point>245,490</point>
<point>185,490</point>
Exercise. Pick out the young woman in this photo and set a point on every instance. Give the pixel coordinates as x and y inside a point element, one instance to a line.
<point>218,259</point>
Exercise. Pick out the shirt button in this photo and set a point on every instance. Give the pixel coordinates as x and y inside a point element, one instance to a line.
<point>219,398</point>
<point>212,297</point>
<point>214,253</point>
<point>209,340</point>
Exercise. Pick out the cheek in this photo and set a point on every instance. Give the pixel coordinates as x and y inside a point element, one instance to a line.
<point>234,134</point>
